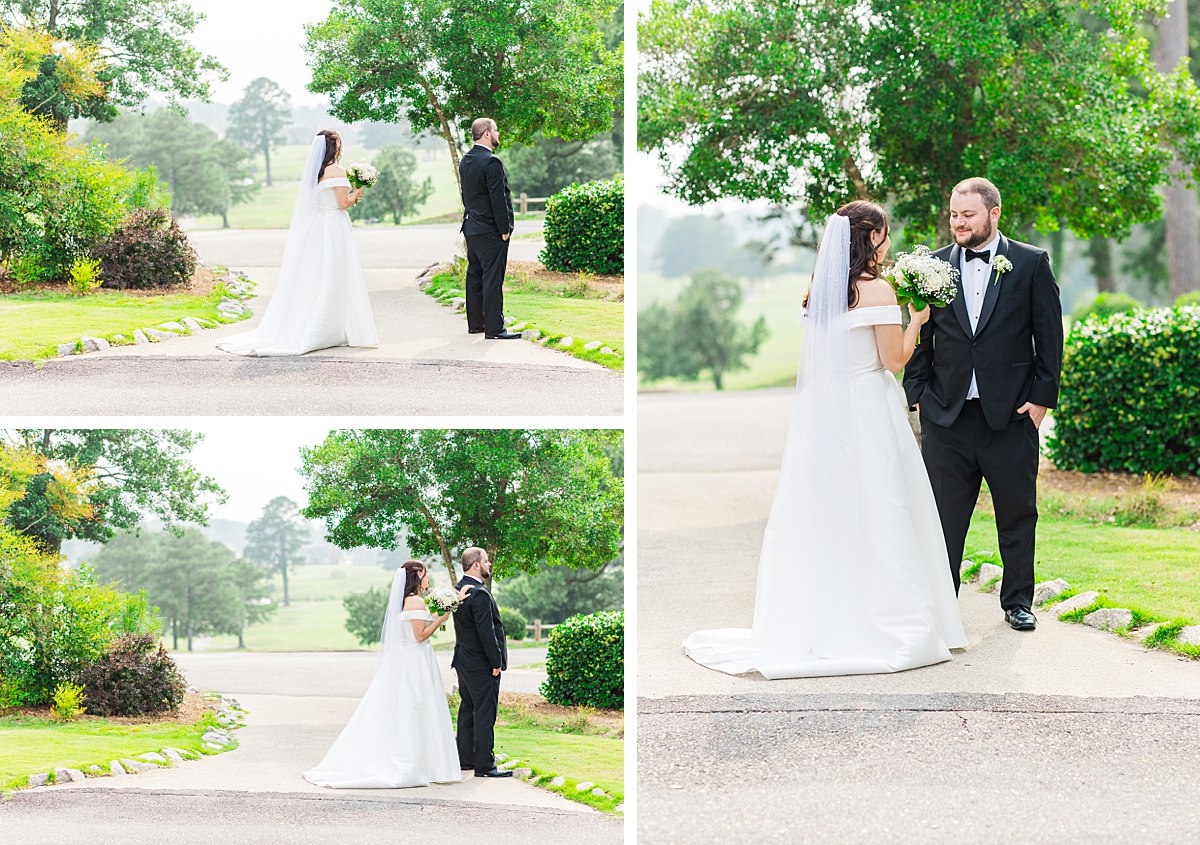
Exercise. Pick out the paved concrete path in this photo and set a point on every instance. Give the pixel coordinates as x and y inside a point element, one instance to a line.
<point>1062,735</point>
<point>426,363</point>
<point>256,793</point>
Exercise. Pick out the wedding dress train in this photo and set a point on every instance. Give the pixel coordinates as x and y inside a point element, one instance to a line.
<point>321,300</point>
<point>853,576</point>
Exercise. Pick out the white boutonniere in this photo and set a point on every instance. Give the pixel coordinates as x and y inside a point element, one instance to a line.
<point>1000,266</point>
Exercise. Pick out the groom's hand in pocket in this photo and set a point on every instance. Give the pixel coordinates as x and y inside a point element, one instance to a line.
<point>1036,413</point>
<point>495,673</point>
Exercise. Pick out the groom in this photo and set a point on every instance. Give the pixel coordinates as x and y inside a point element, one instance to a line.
<point>487,225</point>
<point>984,373</point>
<point>480,655</point>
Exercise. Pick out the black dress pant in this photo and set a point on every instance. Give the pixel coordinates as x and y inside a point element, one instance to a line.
<point>480,693</point>
<point>957,458</point>
<point>487,259</point>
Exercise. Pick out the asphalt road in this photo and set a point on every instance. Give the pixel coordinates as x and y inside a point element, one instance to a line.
<point>425,363</point>
<point>297,705</point>
<point>1065,734</point>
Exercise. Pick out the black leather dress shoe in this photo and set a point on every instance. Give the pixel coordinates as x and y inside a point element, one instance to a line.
<point>494,773</point>
<point>474,331</point>
<point>503,336</point>
<point>1020,619</point>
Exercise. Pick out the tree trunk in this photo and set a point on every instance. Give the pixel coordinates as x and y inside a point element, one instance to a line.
<point>1099,249</point>
<point>225,218</point>
<point>267,157</point>
<point>241,642</point>
<point>1181,210</point>
<point>283,571</point>
<point>1056,252</point>
<point>174,634</point>
<point>448,134</point>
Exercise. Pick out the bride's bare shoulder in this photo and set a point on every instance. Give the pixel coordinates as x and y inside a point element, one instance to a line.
<point>874,292</point>
<point>413,603</point>
<point>334,170</point>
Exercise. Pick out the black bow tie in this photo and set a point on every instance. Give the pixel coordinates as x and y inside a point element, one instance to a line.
<point>985,256</point>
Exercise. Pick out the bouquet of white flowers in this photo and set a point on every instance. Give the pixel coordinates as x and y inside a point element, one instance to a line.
<point>362,174</point>
<point>442,600</point>
<point>921,279</point>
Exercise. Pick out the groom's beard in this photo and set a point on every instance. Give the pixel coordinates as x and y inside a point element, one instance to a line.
<point>977,239</point>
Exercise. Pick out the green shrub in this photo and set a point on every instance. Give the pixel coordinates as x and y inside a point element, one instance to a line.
<point>134,677</point>
<point>514,623</point>
<point>585,662</point>
<point>27,269</point>
<point>1105,305</point>
<point>1189,299</point>
<point>364,614</point>
<point>148,251</point>
<point>85,275</point>
<point>1130,397</point>
<point>585,229</point>
<point>68,702</point>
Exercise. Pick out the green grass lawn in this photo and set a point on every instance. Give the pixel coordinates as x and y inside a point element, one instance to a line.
<point>584,318</point>
<point>1151,569</point>
<point>576,758</point>
<point>271,208</point>
<point>35,323</point>
<point>33,745</point>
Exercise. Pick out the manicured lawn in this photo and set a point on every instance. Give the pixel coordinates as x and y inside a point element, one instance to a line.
<point>577,758</point>
<point>36,323</point>
<point>34,745</point>
<point>1154,569</point>
<point>271,207</point>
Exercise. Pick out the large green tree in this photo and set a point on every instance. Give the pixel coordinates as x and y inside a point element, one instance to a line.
<point>205,175</point>
<point>815,104</point>
<point>548,165</point>
<point>536,66</point>
<point>257,120</point>
<point>144,44</point>
<point>131,474</point>
<point>557,593</point>
<point>276,538</point>
<point>530,498</point>
<point>397,193</point>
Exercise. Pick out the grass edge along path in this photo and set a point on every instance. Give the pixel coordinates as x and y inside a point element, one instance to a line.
<point>444,283</point>
<point>128,313</point>
<point>1112,593</point>
<point>157,736</point>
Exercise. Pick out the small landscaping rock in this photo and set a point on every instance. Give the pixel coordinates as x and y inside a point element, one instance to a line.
<point>136,766</point>
<point>1144,632</point>
<point>64,775</point>
<point>66,349</point>
<point>1077,602</point>
<point>458,303</point>
<point>599,793</point>
<point>508,321</point>
<point>584,787</point>
<point>155,334</point>
<point>139,336</point>
<point>173,326</point>
<point>592,344</point>
<point>115,768</point>
<point>989,572</point>
<point>531,334</point>
<point>94,344</point>
<point>1190,635</point>
<point>153,757</point>
<point>962,568</point>
<point>620,808</point>
<point>500,758</point>
<point>1109,618</point>
<point>516,328</point>
<point>566,341</point>
<point>192,324</point>
<point>558,781</point>
<point>523,773</point>
<point>604,350</point>
<point>94,769</point>
<point>1047,590</point>
<point>40,779</point>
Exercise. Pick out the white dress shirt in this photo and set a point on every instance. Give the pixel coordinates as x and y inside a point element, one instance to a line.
<point>976,275</point>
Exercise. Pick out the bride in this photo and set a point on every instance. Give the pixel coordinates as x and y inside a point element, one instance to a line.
<point>852,576</point>
<point>321,299</point>
<point>400,735</point>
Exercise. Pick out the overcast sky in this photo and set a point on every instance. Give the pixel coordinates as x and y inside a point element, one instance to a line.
<point>254,39</point>
<point>255,460</point>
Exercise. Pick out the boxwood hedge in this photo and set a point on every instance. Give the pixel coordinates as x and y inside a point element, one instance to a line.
<point>585,662</point>
<point>585,229</point>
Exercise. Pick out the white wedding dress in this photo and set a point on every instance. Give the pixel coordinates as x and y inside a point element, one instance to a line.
<point>853,576</point>
<point>321,300</point>
<point>401,734</point>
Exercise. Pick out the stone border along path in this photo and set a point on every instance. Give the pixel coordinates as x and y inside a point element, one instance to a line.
<point>216,741</point>
<point>504,762</point>
<point>239,284</point>
<point>1112,619</point>
<point>455,299</point>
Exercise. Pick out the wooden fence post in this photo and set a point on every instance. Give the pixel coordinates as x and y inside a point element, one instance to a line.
<point>524,208</point>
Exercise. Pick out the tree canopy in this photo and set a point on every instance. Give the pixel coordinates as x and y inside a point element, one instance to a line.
<point>530,498</point>
<point>815,104</point>
<point>276,538</point>
<point>257,120</point>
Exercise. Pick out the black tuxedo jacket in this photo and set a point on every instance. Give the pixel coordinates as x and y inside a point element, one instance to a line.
<point>1016,348</point>
<point>487,202</point>
<point>479,643</point>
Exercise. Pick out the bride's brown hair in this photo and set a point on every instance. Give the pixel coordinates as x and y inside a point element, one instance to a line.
<point>331,150</point>
<point>866,218</point>
<point>414,571</point>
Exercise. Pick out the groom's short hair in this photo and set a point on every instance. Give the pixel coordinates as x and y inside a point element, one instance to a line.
<point>470,557</point>
<point>988,192</point>
<point>481,127</point>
